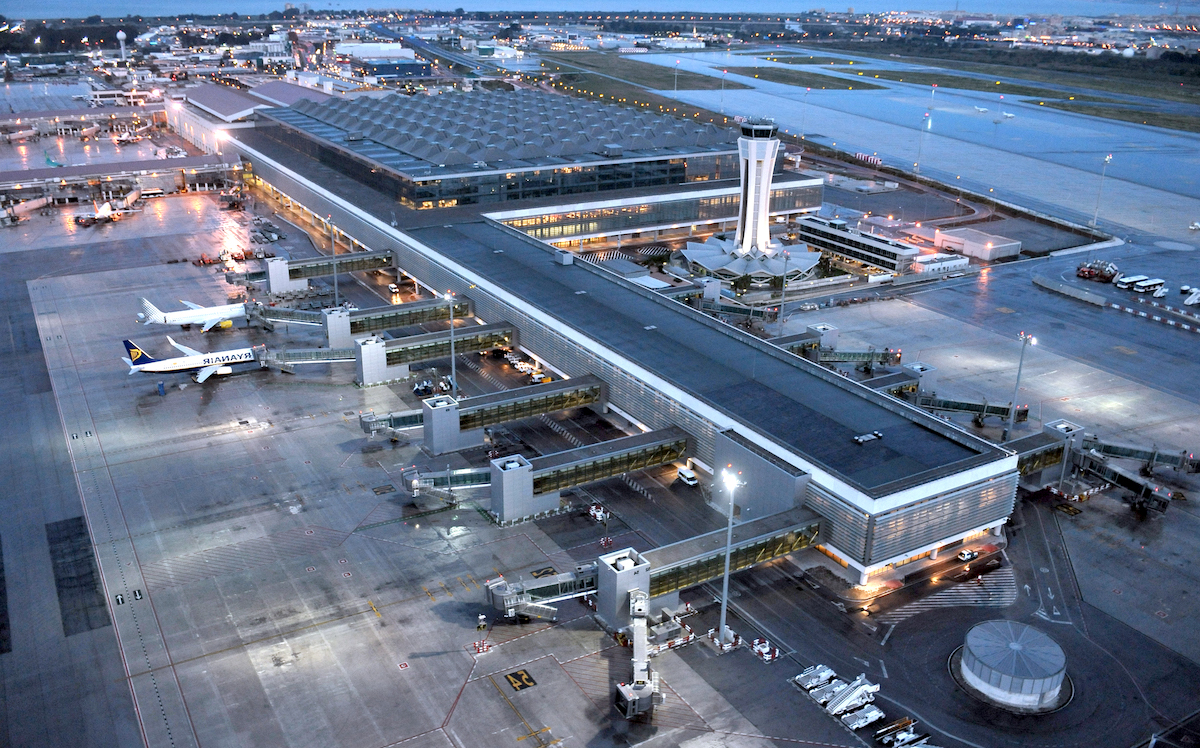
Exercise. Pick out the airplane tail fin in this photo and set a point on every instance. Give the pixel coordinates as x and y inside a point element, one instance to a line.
<point>137,355</point>
<point>152,314</point>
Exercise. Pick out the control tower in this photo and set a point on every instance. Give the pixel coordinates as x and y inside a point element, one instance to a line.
<point>758,147</point>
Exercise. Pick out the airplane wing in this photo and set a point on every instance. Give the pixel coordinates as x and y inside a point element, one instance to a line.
<point>212,321</point>
<point>205,373</point>
<point>190,305</point>
<point>184,348</point>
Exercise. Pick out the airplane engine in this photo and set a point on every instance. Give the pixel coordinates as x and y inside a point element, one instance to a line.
<point>224,324</point>
<point>224,370</point>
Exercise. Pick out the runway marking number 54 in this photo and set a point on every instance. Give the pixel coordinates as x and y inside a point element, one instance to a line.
<point>520,680</point>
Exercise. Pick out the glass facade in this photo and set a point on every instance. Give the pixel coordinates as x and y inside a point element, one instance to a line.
<point>471,189</point>
<point>526,407</point>
<point>565,225</point>
<point>690,574</point>
<point>607,466</point>
<point>439,347</point>
<point>876,252</point>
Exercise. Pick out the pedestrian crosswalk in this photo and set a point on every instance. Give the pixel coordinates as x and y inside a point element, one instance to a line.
<point>997,589</point>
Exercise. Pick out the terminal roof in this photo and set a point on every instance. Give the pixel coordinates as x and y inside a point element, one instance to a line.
<point>793,402</point>
<point>799,405</point>
<point>461,133</point>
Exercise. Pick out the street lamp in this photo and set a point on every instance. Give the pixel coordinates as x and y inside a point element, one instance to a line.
<point>731,482</point>
<point>449,297</point>
<point>723,73</point>
<point>804,114</point>
<point>925,122</point>
<point>337,301</point>
<point>677,76</point>
<point>1026,341</point>
<point>1100,189</point>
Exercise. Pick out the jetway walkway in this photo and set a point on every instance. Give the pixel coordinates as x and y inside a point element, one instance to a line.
<point>428,346</point>
<point>351,262</point>
<point>702,559</point>
<point>885,357</point>
<point>289,275</point>
<point>1146,493</point>
<point>269,316</point>
<point>1184,460</point>
<point>285,359</point>
<point>672,567</point>
<point>377,319</point>
<point>980,409</point>
<point>524,402</point>
<point>1037,452</point>
<point>388,422</point>
<point>593,462</point>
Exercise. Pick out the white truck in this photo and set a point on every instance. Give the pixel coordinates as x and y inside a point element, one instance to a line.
<point>869,714</point>
<point>814,677</point>
<point>823,694</point>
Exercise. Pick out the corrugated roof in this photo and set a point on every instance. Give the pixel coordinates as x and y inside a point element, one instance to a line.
<point>281,93</point>
<point>420,136</point>
<point>222,101</point>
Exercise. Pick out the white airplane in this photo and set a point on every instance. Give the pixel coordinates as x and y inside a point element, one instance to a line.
<point>110,211</point>
<point>1008,115</point>
<point>101,214</point>
<point>209,317</point>
<point>204,364</point>
<point>981,109</point>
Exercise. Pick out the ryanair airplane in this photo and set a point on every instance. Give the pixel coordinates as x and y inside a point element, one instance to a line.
<point>208,316</point>
<point>204,364</point>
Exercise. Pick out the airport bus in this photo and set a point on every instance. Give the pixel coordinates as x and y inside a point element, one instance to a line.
<point>1129,280</point>
<point>1147,286</point>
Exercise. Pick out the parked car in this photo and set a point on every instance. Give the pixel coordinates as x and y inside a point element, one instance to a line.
<point>968,555</point>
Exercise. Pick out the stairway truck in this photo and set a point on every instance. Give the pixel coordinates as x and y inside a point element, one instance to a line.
<point>814,677</point>
<point>859,692</point>
<point>823,694</point>
<point>869,714</point>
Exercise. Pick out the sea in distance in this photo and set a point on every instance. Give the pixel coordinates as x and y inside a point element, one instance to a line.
<point>84,8</point>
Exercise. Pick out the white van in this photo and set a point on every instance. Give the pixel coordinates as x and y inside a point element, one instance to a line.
<point>688,476</point>
<point>393,288</point>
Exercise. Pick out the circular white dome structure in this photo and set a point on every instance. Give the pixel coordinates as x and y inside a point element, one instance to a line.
<point>1014,665</point>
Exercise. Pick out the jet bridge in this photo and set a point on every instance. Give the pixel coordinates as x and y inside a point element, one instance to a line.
<point>290,275</point>
<point>523,488</point>
<point>1153,457</point>
<point>980,409</point>
<point>671,568</point>
<point>343,327</point>
<point>702,559</point>
<point>451,425</point>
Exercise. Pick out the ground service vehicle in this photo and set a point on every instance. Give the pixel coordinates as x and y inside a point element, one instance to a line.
<point>1127,281</point>
<point>1148,285</point>
<point>687,476</point>
<point>817,675</point>
<point>863,717</point>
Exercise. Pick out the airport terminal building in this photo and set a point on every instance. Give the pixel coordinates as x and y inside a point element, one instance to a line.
<point>788,425</point>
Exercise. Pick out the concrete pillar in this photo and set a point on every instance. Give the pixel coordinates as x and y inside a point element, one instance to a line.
<point>828,333</point>
<point>512,490</point>
<point>619,573</point>
<point>998,530</point>
<point>933,554</point>
<point>278,280</point>
<point>441,427</point>
<point>926,376</point>
<point>337,328</point>
<point>863,577</point>
<point>370,361</point>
